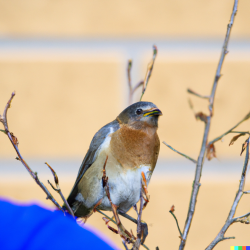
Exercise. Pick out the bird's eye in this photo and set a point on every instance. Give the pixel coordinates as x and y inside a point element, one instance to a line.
<point>138,111</point>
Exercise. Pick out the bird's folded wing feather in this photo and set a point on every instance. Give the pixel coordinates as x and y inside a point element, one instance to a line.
<point>91,155</point>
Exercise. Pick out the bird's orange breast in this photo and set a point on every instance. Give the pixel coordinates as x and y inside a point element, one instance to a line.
<point>133,147</point>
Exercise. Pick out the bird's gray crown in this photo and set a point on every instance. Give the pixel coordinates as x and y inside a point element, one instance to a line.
<point>132,112</point>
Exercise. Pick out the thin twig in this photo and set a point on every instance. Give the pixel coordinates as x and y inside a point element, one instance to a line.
<point>137,243</point>
<point>99,211</point>
<point>230,219</point>
<point>190,91</point>
<point>189,158</point>
<point>240,132</point>
<point>58,190</point>
<point>124,244</point>
<point>3,131</point>
<point>172,212</point>
<point>149,71</point>
<point>231,130</point>
<point>238,219</point>
<point>109,218</point>
<point>198,172</point>
<point>132,89</point>
<point>129,81</point>
<point>13,140</point>
<point>129,74</point>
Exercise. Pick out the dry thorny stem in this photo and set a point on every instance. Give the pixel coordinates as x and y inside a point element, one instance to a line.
<point>207,120</point>
<point>230,219</point>
<point>146,79</point>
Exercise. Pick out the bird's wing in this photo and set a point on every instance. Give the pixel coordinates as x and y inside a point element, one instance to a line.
<point>91,155</point>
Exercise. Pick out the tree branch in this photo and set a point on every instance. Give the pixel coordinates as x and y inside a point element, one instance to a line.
<point>172,212</point>
<point>247,192</point>
<point>137,243</point>
<point>189,158</point>
<point>230,220</point>
<point>132,89</point>
<point>146,79</point>
<point>198,172</point>
<point>190,91</point>
<point>149,71</point>
<point>230,130</point>
<point>14,142</point>
<point>58,190</point>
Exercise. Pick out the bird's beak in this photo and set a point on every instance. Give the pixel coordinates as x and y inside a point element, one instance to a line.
<point>152,112</point>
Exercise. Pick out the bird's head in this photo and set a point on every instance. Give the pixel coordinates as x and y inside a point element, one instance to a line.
<point>140,114</point>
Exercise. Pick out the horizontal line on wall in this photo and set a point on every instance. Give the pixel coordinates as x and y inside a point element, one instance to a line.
<point>116,50</point>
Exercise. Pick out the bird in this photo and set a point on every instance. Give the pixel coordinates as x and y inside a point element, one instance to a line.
<point>130,146</point>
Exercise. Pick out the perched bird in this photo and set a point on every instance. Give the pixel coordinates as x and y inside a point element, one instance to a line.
<point>132,146</point>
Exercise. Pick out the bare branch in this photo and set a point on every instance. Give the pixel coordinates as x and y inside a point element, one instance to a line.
<point>146,79</point>
<point>149,71</point>
<point>14,142</point>
<point>231,130</point>
<point>124,244</point>
<point>138,85</point>
<point>230,219</point>
<point>198,172</point>
<point>129,74</point>
<point>124,215</point>
<point>137,243</point>
<point>4,117</point>
<point>243,218</point>
<point>189,158</point>
<point>132,89</point>
<point>129,81</point>
<point>190,91</point>
<point>58,190</point>
<point>172,212</point>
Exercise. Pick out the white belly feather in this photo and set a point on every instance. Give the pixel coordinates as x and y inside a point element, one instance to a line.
<point>124,184</point>
<point>125,189</point>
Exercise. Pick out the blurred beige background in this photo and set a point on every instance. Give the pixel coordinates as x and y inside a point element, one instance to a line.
<point>67,62</point>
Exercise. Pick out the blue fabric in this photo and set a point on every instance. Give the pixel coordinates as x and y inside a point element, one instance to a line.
<point>33,227</point>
